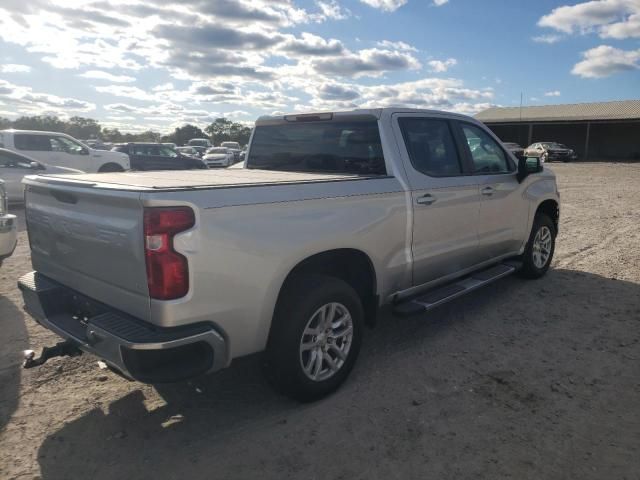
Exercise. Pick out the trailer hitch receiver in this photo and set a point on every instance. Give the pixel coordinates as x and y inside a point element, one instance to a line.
<point>60,349</point>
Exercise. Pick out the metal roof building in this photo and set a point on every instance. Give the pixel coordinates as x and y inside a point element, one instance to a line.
<point>596,131</point>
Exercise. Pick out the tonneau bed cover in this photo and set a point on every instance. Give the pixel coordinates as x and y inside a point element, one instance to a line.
<point>187,179</point>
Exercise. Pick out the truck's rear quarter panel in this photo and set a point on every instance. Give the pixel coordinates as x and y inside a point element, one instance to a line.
<point>246,241</point>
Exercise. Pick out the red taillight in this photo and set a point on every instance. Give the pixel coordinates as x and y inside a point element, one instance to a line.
<point>167,270</point>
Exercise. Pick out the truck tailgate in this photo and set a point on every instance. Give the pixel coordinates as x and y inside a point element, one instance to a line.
<point>89,239</point>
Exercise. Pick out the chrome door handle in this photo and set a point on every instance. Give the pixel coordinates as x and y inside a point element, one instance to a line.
<point>427,199</point>
<point>487,191</point>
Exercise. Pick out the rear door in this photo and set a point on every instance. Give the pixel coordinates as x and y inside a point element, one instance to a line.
<point>38,147</point>
<point>504,211</point>
<point>445,197</point>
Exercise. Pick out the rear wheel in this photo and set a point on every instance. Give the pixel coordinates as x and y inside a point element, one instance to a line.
<point>110,167</point>
<point>315,337</point>
<point>540,247</point>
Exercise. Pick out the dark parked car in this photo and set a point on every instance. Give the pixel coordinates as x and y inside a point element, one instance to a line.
<point>155,156</point>
<point>514,148</point>
<point>551,151</point>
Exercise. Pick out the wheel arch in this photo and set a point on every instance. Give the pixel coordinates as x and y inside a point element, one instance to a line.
<point>111,167</point>
<point>551,208</point>
<point>351,265</point>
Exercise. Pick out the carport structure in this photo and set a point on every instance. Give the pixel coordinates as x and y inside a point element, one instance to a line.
<point>596,131</point>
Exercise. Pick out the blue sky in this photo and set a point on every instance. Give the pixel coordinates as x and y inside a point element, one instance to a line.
<point>138,64</point>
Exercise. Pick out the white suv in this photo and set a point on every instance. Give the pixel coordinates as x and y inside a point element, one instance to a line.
<point>62,150</point>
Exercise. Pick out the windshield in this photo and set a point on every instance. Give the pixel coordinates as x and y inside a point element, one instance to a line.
<point>331,147</point>
<point>230,145</point>
<point>217,150</point>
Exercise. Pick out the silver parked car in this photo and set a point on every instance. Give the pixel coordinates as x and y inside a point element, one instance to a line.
<point>15,166</point>
<point>219,157</point>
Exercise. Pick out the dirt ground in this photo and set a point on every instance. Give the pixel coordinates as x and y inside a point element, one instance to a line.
<point>524,380</point>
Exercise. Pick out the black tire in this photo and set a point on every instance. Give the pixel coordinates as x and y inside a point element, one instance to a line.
<point>529,267</point>
<point>302,297</point>
<point>110,167</point>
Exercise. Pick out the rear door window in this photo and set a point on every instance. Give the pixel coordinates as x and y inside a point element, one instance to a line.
<point>33,143</point>
<point>431,147</point>
<point>325,147</point>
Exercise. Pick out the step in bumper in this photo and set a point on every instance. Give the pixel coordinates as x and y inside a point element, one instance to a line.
<point>137,349</point>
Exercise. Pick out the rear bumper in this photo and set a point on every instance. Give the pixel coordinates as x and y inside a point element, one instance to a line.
<point>137,349</point>
<point>8,235</point>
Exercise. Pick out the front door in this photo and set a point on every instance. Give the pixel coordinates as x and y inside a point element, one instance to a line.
<point>445,198</point>
<point>504,211</point>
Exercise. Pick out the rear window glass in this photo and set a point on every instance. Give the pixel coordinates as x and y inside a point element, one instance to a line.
<point>324,147</point>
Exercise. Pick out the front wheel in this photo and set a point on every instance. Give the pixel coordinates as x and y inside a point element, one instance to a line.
<point>539,250</point>
<point>315,337</point>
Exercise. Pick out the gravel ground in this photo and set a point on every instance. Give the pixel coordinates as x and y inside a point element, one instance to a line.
<point>520,380</point>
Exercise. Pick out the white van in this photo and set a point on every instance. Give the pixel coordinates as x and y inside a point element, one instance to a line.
<point>61,150</point>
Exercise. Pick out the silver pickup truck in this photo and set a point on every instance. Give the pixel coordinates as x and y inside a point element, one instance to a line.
<point>169,275</point>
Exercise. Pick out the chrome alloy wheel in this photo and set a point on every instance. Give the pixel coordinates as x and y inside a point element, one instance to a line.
<point>326,341</point>
<point>542,247</point>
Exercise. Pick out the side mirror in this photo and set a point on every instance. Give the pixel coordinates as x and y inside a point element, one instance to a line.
<point>36,166</point>
<point>527,166</point>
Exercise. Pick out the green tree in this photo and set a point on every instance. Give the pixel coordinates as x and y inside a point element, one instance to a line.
<point>223,130</point>
<point>5,123</point>
<point>47,123</point>
<point>182,135</point>
<point>83,128</point>
<point>111,135</point>
<point>220,130</point>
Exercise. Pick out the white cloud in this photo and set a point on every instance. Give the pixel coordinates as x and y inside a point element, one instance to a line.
<point>554,93</point>
<point>14,68</point>
<point>396,45</point>
<point>371,62</point>
<point>608,18</point>
<point>385,5</point>
<point>27,102</point>
<point>110,77</point>
<point>604,61</point>
<point>550,38</point>
<point>440,66</point>
<point>330,9</point>
<point>439,3</point>
<point>163,87</point>
<point>127,92</point>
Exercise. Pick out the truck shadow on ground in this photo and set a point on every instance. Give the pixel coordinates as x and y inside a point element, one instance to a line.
<point>14,341</point>
<point>234,420</point>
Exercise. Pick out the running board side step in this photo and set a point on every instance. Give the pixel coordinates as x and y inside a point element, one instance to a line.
<point>446,293</point>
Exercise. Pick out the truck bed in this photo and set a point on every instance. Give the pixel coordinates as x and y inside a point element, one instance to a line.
<point>191,179</point>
